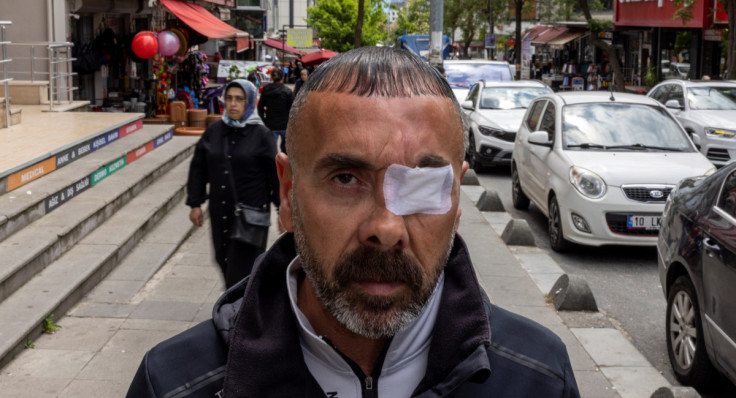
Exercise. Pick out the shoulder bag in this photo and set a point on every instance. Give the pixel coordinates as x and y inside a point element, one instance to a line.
<point>250,224</point>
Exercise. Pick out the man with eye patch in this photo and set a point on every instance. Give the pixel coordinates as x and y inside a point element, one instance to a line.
<point>370,292</point>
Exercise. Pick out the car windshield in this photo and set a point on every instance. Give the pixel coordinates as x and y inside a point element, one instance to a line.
<point>510,97</point>
<point>711,98</point>
<point>465,75</point>
<point>620,126</point>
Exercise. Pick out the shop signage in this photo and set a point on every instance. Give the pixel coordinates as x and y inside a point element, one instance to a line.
<point>713,34</point>
<point>299,38</point>
<point>720,16</point>
<point>105,139</point>
<point>73,154</point>
<point>490,40</point>
<point>61,197</point>
<point>131,128</point>
<point>659,13</point>
<point>137,153</point>
<point>102,173</point>
<point>31,173</point>
<point>160,140</point>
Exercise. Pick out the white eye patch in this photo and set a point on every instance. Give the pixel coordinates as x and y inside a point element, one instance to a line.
<point>424,190</point>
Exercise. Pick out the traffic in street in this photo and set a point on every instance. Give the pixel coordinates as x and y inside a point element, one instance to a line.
<point>624,280</point>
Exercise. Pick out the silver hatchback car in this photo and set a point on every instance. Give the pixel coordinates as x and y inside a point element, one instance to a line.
<point>707,110</point>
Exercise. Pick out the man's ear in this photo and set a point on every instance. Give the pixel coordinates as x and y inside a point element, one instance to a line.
<point>283,168</point>
<point>459,210</point>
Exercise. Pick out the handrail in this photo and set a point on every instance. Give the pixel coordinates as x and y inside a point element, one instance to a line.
<point>59,62</point>
<point>5,62</point>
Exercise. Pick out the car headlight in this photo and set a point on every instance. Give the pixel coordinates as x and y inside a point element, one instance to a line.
<point>714,132</point>
<point>587,183</point>
<point>490,131</point>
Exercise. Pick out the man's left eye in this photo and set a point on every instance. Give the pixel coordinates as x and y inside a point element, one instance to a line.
<point>344,179</point>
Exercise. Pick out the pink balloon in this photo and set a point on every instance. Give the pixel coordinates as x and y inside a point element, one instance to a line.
<point>145,44</point>
<point>168,43</point>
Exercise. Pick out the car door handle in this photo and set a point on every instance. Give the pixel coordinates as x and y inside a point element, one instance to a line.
<point>712,246</point>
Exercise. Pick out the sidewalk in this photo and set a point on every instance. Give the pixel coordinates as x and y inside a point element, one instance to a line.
<point>104,337</point>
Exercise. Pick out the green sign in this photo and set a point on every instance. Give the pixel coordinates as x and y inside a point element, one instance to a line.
<point>102,173</point>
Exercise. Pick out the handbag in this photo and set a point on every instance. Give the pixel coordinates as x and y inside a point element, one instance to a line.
<point>250,224</point>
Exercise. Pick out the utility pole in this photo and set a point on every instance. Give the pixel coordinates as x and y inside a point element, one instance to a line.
<point>490,23</point>
<point>435,32</point>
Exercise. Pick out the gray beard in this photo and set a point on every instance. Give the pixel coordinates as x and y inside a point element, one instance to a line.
<point>368,316</point>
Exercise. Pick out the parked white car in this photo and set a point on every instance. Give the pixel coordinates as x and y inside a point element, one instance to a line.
<point>707,110</point>
<point>463,73</point>
<point>600,166</point>
<point>494,112</point>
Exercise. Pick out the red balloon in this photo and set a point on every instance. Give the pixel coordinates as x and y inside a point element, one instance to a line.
<point>145,44</point>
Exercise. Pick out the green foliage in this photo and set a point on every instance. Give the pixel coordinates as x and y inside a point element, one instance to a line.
<point>598,25</point>
<point>335,21</point>
<point>411,20</point>
<point>29,344</point>
<point>684,10</point>
<point>470,16</point>
<point>49,326</point>
<point>234,73</point>
<point>650,78</point>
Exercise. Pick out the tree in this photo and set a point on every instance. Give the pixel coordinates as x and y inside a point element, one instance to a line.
<point>412,20</point>
<point>685,13</point>
<point>470,16</point>
<point>520,6</point>
<point>336,23</point>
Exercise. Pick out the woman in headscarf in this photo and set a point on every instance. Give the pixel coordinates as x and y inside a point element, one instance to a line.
<point>242,145</point>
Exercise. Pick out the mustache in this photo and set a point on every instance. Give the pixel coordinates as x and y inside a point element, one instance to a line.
<point>369,264</point>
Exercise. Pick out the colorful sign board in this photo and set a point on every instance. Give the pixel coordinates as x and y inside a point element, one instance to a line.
<point>61,197</point>
<point>131,128</point>
<point>659,13</point>
<point>106,171</point>
<point>299,38</point>
<point>138,152</point>
<point>713,34</point>
<point>163,138</point>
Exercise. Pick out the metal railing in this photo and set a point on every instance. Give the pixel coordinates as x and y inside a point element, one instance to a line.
<point>5,61</point>
<point>60,75</point>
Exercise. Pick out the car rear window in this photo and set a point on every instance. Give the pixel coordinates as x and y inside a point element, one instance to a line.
<point>465,75</point>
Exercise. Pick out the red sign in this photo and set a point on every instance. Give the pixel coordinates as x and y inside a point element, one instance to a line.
<point>659,13</point>
<point>131,128</point>
<point>720,16</point>
<point>138,152</point>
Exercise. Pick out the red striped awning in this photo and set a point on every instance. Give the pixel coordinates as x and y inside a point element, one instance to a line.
<point>201,20</point>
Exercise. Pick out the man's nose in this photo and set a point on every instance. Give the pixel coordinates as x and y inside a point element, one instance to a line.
<point>384,230</point>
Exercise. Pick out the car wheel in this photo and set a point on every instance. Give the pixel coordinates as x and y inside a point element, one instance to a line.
<point>518,197</point>
<point>473,162</point>
<point>554,228</point>
<point>685,339</point>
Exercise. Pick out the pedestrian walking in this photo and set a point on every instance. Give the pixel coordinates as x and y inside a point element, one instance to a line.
<point>234,157</point>
<point>303,75</point>
<point>371,292</point>
<point>274,106</point>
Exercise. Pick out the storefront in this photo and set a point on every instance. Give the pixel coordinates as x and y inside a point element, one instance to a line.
<point>113,77</point>
<point>563,58</point>
<point>654,40</point>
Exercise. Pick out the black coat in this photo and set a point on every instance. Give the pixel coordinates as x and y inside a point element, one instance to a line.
<point>252,152</point>
<point>477,350</point>
<point>274,105</point>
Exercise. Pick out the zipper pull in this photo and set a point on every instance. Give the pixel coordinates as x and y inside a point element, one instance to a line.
<point>368,383</point>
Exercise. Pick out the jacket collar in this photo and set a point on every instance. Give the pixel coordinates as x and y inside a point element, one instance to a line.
<point>265,357</point>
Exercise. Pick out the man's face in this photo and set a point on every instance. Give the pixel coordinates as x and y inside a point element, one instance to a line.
<point>372,269</point>
<point>235,102</point>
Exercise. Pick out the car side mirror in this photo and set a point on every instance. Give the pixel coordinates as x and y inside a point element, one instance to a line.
<point>467,105</point>
<point>673,104</point>
<point>540,138</point>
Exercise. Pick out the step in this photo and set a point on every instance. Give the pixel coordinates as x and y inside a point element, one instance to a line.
<point>26,92</point>
<point>28,203</point>
<point>66,280</point>
<point>15,115</point>
<point>29,250</point>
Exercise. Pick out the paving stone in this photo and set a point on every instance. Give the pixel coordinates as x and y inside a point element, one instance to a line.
<point>83,334</point>
<point>95,388</point>
<point>155,324</point>
<point>36,387</point>
<point>50,364</point>
<point>182,289</point>
<point>593,384</point>
<point>102,310</point>
<point>195,272</point>
<point>166,310</point>
<point>142,262</point>
<point>635,382</point>
<point>114,291</point>
<point>608,347</point>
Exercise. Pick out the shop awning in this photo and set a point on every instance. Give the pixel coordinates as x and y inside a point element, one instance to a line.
<point>273,43</point>
<point>201,20</point>
<point>558,43</point>
<point>549,34</point>
<point>533,32</point>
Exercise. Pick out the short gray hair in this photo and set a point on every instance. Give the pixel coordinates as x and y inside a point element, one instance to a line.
<point>372,72</point>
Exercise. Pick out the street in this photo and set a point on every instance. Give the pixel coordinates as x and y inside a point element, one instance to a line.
<point>624,281</point>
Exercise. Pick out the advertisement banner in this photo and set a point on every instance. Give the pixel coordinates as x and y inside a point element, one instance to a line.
<point>299,38</point>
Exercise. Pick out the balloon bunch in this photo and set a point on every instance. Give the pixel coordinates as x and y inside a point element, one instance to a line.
<point>167,43</point>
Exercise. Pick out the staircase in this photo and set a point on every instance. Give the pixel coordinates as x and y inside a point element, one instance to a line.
<point>15,114</point>
<point>63,233</point>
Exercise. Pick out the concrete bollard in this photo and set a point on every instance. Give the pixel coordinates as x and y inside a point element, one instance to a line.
<point>518,233</point>
<point>572,293</point>
<point>470,178</point>
<point>489,201</point>
<point>675,392</point>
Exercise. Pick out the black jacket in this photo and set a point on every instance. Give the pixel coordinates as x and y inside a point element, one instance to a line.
<point>253,152</point>
<point>252,349</point>
<point>276,98</point>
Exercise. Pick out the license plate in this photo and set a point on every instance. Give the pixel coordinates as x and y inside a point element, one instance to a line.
<point>643,222</point>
